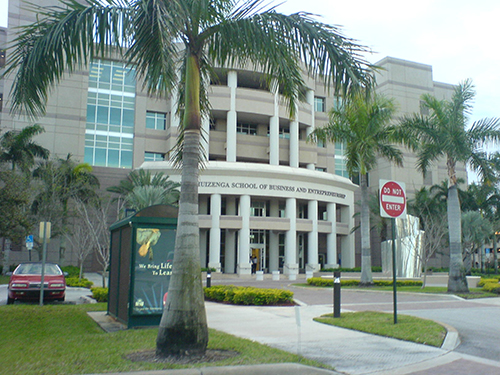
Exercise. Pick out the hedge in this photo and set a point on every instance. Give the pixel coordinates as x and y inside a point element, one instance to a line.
<point>355,269</point>
<point>248,295</point>
<point>100,294</point>
<point>81,283</point>
<point>493,287</point>
<point>319,281</point>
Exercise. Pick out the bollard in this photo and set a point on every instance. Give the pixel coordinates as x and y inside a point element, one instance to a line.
<point>276,275</point>
<point>259,275</point>
<point>209,278</point>
<point>336,294</point>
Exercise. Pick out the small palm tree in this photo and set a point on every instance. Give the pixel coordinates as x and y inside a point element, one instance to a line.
<point>19,149</point>
<point>445,133</point>
<point>362,124</point>
<point>142,189</point>
<point>159,37</point>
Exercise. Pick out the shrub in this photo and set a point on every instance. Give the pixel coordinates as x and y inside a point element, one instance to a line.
<point>248,295</point>
<point>355,269</point>
<point>100,294</point>
<point>81,283</point>
<point>73,271</point>
<point>492,287</point>
<point>319,281</point>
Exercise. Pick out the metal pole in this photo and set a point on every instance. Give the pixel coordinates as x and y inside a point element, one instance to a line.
<point>44,255</point>
<point>209,278</point>
<point>336,294</point>
<point>394,286</point>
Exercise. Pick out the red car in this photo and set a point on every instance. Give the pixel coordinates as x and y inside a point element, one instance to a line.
<point>26,279</point>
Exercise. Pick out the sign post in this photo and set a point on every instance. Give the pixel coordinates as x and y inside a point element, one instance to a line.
<point>393,205</point>
<point>29,245</point>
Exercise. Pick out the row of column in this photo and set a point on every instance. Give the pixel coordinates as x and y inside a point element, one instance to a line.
<point>242,260</point>
<point>274,131</point>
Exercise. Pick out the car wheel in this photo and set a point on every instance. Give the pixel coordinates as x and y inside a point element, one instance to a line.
<point>10,301</point>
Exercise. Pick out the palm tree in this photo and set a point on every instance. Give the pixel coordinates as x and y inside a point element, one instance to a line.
<point>160,37</point>
<point>362,124</point>
<point>142,189</point>
<point>445,133</point>
<point>63,180</point>
<point>19,149</point>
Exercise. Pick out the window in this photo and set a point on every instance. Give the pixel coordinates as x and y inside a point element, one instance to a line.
<point>1,102</point>
<point>284,132</point>
<point>156,120</point>
<point>340,162</point>
<point>424,110</point>
<point>109,134</point>
<point>244,128</point>
<point>154,156</point>
<point>258,209</point>
<point>319,104</point>
<point>319,169</point>
<point>321,143</point>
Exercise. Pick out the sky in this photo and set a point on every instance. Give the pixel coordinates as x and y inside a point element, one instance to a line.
<point>458,38</point>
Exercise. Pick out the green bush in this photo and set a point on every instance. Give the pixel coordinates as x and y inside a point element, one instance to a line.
<point>319,281</point>
<point>80,283</point>
<point>248,295</point>
<point>355,269</point>
<point>492,287</point>
<point>73,271</point>
<point>99,294</point>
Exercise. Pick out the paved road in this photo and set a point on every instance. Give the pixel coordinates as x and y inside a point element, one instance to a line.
<point>476,320</point>
<point>73,295</point>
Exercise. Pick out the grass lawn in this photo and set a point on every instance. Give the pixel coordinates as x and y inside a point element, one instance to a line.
<point>4,279</point>
<point>408,328</point>
<point>62,339</point>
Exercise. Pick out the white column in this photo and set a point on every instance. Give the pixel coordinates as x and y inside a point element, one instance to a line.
<point>347,243</point>
<point>174,98</point>
<point>230,253</point>
<point>274,239</point>
<point>205,136</point>
<point>274,129</point>
<point>310,129</point>
<point>203,248</point>
<point>291,266</point>
<point>294,142</point>
<point>244,237</point>
<point>232,82</point>
<point>214,251</point>
<point>331,238</point>
<point>312,243</point>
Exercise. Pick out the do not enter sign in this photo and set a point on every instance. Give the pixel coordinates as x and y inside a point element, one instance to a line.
<point>392,199</point>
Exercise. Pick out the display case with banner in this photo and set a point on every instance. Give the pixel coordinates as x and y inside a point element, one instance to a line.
<point>142,251</point>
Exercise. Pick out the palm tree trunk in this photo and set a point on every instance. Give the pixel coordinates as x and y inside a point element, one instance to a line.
<point>183,328</point>
<point>457,282</point>
<point>366,256</point>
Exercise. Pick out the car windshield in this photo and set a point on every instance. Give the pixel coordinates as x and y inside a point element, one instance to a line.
<point>36,269</point>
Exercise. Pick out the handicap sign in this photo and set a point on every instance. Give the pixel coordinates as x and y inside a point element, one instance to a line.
<point>29,241</point>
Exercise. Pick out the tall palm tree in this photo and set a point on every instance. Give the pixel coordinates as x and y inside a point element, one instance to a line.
<point>19,149</point>
<point>445,133</point>
<point>63,180</point>
<point>160,37</point>
<point>362,124</point>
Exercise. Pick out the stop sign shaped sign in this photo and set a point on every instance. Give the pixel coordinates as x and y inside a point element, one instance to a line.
<point>392,199</point>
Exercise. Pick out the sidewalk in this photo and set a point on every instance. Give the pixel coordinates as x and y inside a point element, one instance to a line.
<point>349,352</point>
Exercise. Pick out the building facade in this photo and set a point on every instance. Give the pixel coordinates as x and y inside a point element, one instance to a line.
<point>265,193</point>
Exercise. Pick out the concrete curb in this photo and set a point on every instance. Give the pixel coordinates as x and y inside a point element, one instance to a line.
<point>275,369</point>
